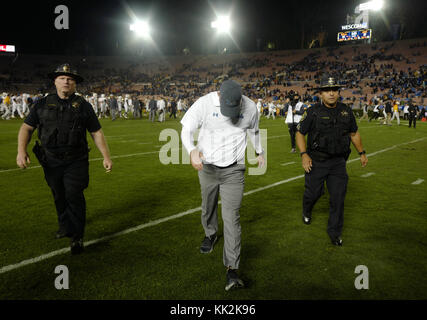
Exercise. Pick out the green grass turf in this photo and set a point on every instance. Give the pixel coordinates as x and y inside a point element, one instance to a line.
<point>385,224</point>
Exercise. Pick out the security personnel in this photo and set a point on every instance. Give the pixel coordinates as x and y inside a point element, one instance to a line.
<point>61,120</point>
<point>413,112</point>
<point>330,126</point>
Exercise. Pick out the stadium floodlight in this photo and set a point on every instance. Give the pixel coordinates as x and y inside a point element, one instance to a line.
<point>374,5</point>
<point>222,24</point>
<point>141,28</point>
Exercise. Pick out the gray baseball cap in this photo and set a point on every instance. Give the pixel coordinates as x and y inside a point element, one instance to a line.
<point>230,99</point>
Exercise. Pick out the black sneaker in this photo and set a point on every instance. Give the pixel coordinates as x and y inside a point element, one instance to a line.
<point>233,280</point>
<point>337,242</point>
<point>306,220</point>
<point>76,246</point>
<point>208,244</point>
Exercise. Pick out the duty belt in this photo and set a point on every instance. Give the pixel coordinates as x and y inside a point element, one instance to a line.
<point>66,154</point>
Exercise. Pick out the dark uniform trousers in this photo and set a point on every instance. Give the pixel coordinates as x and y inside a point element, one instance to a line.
<point>334,172</point>
<point>67,182</point>
<point>412,119</point>
<point>292,131</point>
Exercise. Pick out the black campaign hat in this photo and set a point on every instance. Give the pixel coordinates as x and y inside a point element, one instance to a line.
<point>328,83</point>
<point>65,70</point>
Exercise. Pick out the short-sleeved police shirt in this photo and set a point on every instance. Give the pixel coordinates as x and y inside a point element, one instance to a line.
<point>307,122</point>
<point>90,120</point>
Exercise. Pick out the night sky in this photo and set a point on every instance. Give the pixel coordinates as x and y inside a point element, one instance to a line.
<point>102,27</point>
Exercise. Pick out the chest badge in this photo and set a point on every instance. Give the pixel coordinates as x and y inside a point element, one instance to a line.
<point>75,104</point>
<point>344,113</point>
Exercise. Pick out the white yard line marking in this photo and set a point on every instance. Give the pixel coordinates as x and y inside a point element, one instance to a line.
<point>419,181</point>
<point>95,159</point>
<point>368,174</point>
<point>287,163</point>
<point>158,221</point>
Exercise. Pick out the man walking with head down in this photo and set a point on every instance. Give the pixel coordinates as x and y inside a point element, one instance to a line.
<point>224,119</point>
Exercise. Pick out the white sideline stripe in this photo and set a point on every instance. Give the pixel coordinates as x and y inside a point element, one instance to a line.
<point>368,174</point>
<point>287,163</point>
<point>419,181</point>
<point>158,221</point>
<point>95,159</point>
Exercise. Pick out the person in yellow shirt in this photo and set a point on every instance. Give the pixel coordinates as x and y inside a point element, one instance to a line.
<point>5,107</point>
<point>396,113</point>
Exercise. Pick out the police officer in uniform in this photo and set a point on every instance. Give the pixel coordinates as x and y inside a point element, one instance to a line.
<point>330,126</point>
<point>413,112</point>
<point>61,120</point>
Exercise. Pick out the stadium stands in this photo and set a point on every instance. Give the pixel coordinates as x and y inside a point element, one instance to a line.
<point>365,70</point>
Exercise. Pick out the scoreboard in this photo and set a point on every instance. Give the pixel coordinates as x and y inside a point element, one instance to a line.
<point>351,35</point>
<point>7,48</point>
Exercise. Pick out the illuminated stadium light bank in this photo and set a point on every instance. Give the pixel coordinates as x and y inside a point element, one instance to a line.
<point>222,24</point>
<point>374,5</point>
<point>141,28</point>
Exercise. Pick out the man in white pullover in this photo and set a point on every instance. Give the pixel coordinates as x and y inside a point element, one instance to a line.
<point>224,119</point>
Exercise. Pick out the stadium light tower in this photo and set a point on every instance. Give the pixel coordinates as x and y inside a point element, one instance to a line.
<point>374,5</point>
<point>222,24</point>
<point>377,5</point>
<point>363,10</point>
<point>141,29</point>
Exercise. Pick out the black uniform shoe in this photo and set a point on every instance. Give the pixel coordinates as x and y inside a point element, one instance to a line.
<point>337,242</point>
<point>233,280</point>
<point>208,244</point>
<point>306,220</point>
<point>61,234</point>
<point>76,246</point>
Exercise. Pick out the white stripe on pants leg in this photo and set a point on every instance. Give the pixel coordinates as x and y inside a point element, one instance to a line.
<point>231,182</point>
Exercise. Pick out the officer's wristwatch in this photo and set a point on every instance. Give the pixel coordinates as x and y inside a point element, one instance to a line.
<point>301,153</point>
<point>363,152</point>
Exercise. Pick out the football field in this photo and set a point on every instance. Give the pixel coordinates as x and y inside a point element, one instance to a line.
<point>143,229</point>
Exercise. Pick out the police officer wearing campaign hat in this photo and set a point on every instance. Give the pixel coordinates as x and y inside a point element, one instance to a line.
<point>61,120</point>
<point>330,126</point>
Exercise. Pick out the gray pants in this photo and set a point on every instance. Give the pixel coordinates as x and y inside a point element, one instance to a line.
<point>113,114</point>
<point>152,115</point>
<point>229,183</point>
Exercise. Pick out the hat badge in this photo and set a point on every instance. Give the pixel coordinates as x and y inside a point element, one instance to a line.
<point>66,68</point>
<point>331,81</point>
